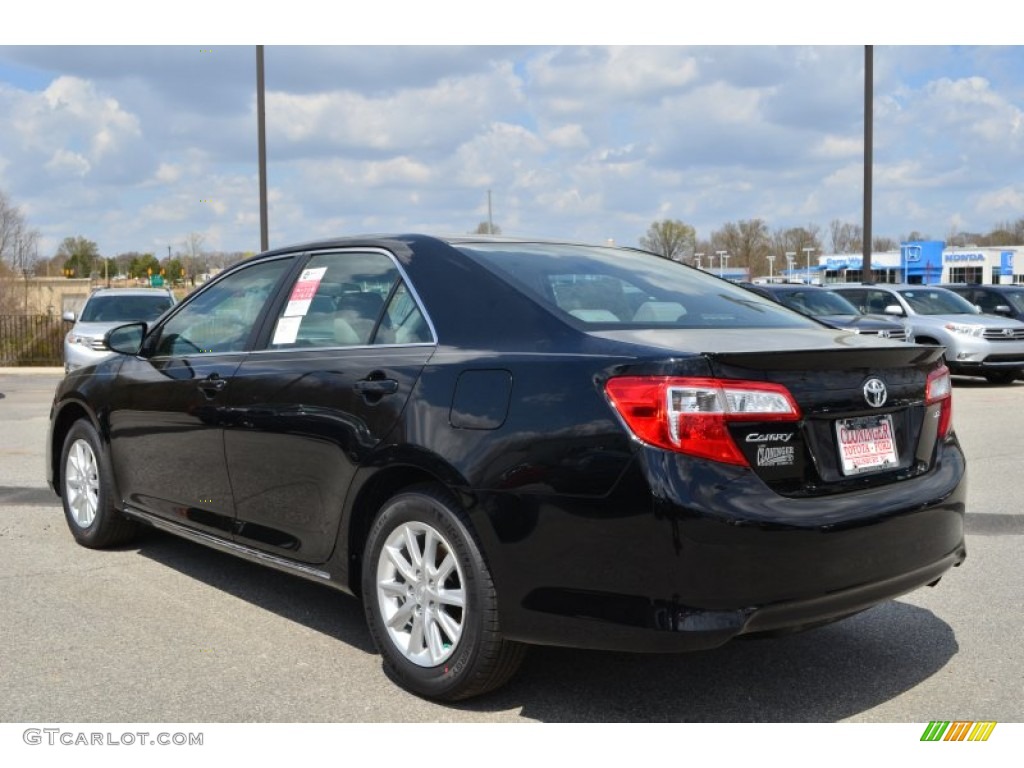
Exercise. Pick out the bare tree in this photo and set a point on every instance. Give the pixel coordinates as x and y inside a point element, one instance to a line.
<point>18,242</point>
<point>671,239</point>
<point>747,243</point>
<point>846,237</point>
<point>193,258</point>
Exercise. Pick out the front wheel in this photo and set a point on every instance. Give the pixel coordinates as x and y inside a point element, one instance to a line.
<point>87,491</point>
<point>430,603</point>
<point>1001,377</point>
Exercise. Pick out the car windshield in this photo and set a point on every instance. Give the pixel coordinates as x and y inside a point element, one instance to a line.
<point>112,308</point>
<point>816,302</point>
<point>611,287</point>
<point>1014,298</point>
<point>937,301</point>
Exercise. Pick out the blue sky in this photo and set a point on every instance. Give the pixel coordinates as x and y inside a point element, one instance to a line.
<point>137,146</point>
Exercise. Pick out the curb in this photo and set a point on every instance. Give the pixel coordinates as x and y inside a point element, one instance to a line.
<point>31,370</point>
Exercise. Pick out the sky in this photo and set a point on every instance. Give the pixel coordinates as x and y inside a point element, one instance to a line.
<point>582,132</point>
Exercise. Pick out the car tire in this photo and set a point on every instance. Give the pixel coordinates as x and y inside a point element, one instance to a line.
<point>87,491</point>
<point>430,602</point>
<point>1001,377</point>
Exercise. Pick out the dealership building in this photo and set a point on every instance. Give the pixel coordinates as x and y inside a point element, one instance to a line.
<point>922,262</point>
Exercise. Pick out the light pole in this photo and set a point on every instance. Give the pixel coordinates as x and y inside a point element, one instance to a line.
<point>722,257</point>
<point>808,251</point>
<point>790,255</point>
<point>698,257</point>
<point>771,264</point>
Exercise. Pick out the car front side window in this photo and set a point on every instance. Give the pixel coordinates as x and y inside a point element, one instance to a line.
<point>221,318</point>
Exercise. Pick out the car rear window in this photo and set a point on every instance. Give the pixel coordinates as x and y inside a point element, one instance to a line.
<point>611,287</point>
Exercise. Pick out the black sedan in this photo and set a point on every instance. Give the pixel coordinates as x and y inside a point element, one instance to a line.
<point>496,443</point>
<point>831,309</point>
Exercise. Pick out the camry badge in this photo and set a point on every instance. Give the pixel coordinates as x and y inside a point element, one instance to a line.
<point>875,392</point>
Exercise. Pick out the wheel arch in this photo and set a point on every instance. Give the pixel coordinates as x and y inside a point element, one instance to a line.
<point>370,494</point>
<point>70,412</point>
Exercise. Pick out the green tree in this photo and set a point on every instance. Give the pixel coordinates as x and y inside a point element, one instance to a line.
<point>144,266</point>
<point>173,269</point>
<point>79,255</point>
<point>670,239</point>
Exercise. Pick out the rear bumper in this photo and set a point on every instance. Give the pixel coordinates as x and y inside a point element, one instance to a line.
<point>713,554</point>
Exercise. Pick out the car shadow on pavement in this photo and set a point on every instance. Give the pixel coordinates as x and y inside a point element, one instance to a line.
<point>312,605</point>
<point>823,675</point>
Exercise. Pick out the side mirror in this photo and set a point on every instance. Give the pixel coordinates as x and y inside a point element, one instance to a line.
<point>894,309</point>
<point>68,316</point>
<point>126,339</point>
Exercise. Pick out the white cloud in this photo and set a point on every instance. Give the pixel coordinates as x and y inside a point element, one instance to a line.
<point>66,163</point>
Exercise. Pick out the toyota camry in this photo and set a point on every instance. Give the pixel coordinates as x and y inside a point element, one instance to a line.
<point>494,443</point>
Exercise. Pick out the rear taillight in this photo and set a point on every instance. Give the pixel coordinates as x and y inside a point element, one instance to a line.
<point>939,389</point>
<point>691,415</point>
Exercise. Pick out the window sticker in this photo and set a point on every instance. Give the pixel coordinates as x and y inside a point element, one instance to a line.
<point>287,330</point>
<point>303,292</point>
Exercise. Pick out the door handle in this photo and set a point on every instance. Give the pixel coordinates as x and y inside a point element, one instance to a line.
<point>376,387</point>
<point>212,384</point>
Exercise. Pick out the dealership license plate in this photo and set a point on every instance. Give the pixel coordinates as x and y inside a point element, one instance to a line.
<point>866,444</point>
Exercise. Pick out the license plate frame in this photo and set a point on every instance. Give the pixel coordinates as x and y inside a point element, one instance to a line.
<point>866,444</point>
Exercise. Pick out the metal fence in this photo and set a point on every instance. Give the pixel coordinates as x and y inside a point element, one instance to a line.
<point>31,340</point>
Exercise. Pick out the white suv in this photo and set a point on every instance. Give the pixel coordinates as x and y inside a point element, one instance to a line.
<point>108,308</point>
<point>976,344</point>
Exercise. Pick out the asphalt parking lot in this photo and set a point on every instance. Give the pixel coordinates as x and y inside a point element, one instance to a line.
<point>167,631</point>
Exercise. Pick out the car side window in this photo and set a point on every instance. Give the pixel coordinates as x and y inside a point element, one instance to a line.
<point>346,299</point>
<point>857,298</point>
<point>221,317</point>
<point>877,301</point>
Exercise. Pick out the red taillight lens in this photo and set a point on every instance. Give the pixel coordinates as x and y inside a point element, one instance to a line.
<point>690,415</point>
<point>939,389</point>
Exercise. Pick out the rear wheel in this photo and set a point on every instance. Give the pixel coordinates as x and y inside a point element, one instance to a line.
<point>430,603</point>
<point>87,491</point>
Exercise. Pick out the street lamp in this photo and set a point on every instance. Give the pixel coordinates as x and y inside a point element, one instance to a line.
<point>790,255</point>
<point>723,257</point>
<point>808,251</point>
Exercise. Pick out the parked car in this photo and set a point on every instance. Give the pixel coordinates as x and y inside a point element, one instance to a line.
<point>108,308</point>
<point>831,309</point>
<point>975,344</point>
<point>1005,300</point>
<point>495,443</point>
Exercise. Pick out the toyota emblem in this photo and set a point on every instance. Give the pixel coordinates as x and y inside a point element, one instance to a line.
<point>875,392</point>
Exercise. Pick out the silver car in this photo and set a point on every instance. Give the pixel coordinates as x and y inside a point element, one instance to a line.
<point>108,308</point>
<point>976,344</point>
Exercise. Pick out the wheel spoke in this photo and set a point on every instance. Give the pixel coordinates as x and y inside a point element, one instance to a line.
<point>445,569</point>
<point>413,547</point>
<point>394,588</point>
<point>401,617</point>
<point>435,645</point>
<point>454,597</point>
<point>404,567</point>
<point>451,628</point>
<point>417,642</point>
<point>429,551</point>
